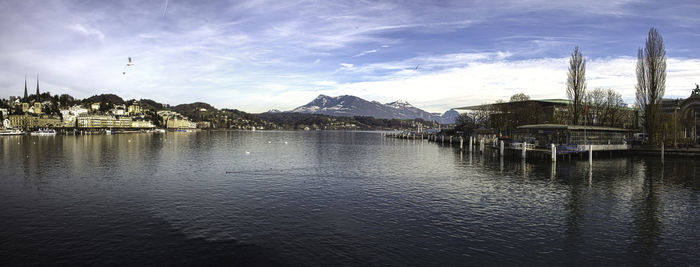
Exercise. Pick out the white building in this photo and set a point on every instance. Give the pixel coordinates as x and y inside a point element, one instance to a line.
<point>119,110</point>
<point>95,106</point>
<point>135,109</point>
<point>69,115</point>
<point>142,124</point>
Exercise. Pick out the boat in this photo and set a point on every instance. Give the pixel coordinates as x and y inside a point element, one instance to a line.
<point>42,132</point>
<point>11,132</point>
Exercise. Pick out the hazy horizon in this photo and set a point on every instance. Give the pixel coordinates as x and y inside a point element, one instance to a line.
<point>260,55</point>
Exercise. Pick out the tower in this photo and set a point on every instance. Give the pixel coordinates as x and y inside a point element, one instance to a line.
<point>37,88</point>
<point>25,99</point>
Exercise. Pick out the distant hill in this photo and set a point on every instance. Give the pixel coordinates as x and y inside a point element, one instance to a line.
<point>192,109</point>
<point>289,120</point>
<point>106,98</point>
<point>151,104</point>
<point>196,106</point>
<point>349,106</point>
<point>449,117</point>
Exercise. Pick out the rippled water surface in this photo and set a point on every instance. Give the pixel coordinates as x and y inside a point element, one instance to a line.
<point>333,198</point>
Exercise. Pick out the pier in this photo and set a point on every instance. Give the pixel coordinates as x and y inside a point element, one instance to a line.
<point>519,150</point>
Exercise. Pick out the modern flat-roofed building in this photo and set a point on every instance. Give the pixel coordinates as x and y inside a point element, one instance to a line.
<point>559,134</point>
<point>506,117</point>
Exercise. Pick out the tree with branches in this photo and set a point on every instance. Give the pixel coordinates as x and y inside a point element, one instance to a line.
<point>576,84</point>
<point>519,97</point>
<point>614,114</point>
<point>604,107</point>
<point>651,81</point>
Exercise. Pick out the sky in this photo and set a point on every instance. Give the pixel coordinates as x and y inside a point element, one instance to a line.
<point>261,55</point>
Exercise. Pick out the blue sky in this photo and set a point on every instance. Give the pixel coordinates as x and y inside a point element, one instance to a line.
<point>260,55</point>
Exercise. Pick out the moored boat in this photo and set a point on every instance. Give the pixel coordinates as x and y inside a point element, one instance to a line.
<point>41,132</point>
<point>11,132</point>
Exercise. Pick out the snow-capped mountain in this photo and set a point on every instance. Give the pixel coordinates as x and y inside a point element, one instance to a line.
<point>347,105</point>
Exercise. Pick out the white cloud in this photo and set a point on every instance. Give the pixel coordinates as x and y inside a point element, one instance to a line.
<point>478,81</point>
<point>365,53</point>
<point>89,32</point>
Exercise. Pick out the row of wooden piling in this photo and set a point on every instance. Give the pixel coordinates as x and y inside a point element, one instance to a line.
<point>472,145</point>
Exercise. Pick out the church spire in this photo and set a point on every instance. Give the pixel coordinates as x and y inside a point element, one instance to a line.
<point>25,89</point>
<point>37,88</point>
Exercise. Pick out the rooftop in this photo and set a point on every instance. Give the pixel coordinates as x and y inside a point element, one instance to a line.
<point>571,127</point>
<point>546,101</point>
<point>553,101</point>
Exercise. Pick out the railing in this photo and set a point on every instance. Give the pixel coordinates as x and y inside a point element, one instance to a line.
<point>520,146</point>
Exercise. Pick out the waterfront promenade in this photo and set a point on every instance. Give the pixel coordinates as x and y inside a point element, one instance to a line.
<point>524,150</point>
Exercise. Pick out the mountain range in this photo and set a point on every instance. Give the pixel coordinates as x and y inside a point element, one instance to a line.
<point>349,106</point>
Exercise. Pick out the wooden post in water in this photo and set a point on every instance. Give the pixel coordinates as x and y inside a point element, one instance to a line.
<point>662,151</point>
<point>481,146</point>
<point>524,150</point>
<point>471,144</point>
<point>501,148</point>
<point>450,140</point>
<point>554,153</point>
<point>461,143</point>
<point>590,154</point>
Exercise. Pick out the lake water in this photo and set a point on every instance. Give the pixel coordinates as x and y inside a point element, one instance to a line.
<point>333,198</point>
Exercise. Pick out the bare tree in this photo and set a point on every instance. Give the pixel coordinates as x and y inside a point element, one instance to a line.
<point>576,84</point>
<point>469,121</point>
<point>519,97</point>
<point>614,108</point>
<point>651,81</point>
<point>596,106</point>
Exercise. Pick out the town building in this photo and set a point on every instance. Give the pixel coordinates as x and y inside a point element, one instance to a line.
<point>119,110</point>
<point>541,135</point>
<point>95,106</point>
<point>104,121</point>
<point>142,124</point>
<point>506,117</point>
<point>179,123</point>
<point>134,109</point>
<point>681,116</point>
<point>32,121</point>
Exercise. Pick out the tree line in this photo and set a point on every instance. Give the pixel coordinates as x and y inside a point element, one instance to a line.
<point>649,89</point>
